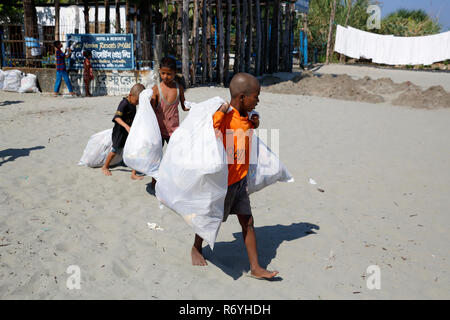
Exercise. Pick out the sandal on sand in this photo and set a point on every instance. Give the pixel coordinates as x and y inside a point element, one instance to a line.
<point>249,274</point>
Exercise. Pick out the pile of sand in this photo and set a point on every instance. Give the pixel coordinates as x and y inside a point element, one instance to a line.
<point>433,97</point>
<point>343,87</point>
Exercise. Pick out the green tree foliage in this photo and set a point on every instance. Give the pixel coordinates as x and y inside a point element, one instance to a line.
<point>409,23</point>
<point>11,12</point>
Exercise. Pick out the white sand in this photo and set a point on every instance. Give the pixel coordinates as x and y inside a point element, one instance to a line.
<point>424,79</point>
<point>385,171</point>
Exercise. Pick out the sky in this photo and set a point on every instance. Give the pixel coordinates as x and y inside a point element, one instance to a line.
<point>435,8</point>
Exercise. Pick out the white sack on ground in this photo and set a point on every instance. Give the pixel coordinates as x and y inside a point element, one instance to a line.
<point>28,84</point>
<point>265,167</point>
<point>12,80</point>
<point>97,149</point>
<point>193,175</point>
<point>143,148</point>
<point>392,50</point>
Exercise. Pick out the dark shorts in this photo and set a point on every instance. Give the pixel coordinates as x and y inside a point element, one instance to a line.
<point>119,136</point>
<point>237,200</point>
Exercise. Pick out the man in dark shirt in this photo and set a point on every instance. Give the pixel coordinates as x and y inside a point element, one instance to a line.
<point>122,123</point>
<point>61,71</point>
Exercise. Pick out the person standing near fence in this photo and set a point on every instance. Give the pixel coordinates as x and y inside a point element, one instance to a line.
<point>61,71</point>
<point>88,74</point>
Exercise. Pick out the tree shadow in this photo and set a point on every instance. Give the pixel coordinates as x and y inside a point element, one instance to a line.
<point>13,154</point>
<point>232,257</point>
<point>7,102</point>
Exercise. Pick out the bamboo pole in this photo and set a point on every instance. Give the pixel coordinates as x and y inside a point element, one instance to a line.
<point>117,16</point>
<point>349,8</point>
<point>165,27</point>
<point>185,40</point>
<point>266,60</point>
<point>86,16</point>
<point>204,40</point>
<point>258,38</point>
<point>135,30</point>
<point>243,36</point>
<point>149,29</point>
<point>274,39</point>
<point>237,50</point>
<point>248,55</point>
<point>330,32</point>
<point>127,16</point>
<point>57,11</point>
<point>195,33</point>
<point>285,47</point>
<point>219,48</point>
<point>179,28</point>
<point>107,19</point>
<point>291,35</point>
<point>208,46</point>
<point>226,67</point>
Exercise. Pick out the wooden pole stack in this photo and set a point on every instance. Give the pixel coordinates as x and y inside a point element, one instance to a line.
<point>258,34</point>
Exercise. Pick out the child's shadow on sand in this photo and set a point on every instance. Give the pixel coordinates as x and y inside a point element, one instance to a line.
<point>10,154</point>
<point>232,257</point>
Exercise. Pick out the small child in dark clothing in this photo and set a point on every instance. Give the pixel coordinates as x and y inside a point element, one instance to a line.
<point>123,119</point>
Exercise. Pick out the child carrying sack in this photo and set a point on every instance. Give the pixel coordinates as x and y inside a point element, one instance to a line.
<point>143,148</point>
<point>97,149</point>
<point>193,175</point>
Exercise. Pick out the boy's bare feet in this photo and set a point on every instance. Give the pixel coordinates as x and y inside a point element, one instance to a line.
<point>197,257</point>
<point>261,273</point>
<point>136,177</point>
<point>106,171</point>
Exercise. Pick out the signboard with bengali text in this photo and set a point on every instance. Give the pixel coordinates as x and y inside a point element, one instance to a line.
<point>109,51</point>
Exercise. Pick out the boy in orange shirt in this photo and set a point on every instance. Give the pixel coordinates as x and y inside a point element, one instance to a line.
<point>229,120</point>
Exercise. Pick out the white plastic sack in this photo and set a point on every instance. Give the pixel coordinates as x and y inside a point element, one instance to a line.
<point>97,149</point>
<point>143,148</point>
<point>265,167</point>
<point>193,174</point>
<point>2,79</point>
<point>12,80</point>
<point>28,84</point>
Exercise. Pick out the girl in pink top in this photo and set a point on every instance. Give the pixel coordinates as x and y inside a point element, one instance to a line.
<point>167,95</point>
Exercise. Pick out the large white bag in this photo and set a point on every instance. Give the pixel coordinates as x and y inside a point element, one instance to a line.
<point>143,148</point>
<point>265,167</point>
<point>28,84</point>
<point>97,149</point>
<point>12,80</point>
<point>193,174</point>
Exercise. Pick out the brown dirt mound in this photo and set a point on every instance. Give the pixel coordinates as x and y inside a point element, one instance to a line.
<point>340,87</point>
<point>433,97</point>
<point>343,87</point>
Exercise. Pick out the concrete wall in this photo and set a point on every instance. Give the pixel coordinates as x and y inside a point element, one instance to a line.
<point>111,83</point>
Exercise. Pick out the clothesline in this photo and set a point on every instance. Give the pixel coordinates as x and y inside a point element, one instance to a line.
<point>392,50</point>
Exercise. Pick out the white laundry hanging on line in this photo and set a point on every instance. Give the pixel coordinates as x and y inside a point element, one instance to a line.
<point>391,50</point>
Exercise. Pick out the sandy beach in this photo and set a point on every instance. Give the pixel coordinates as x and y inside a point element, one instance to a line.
<point>384,170</point>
